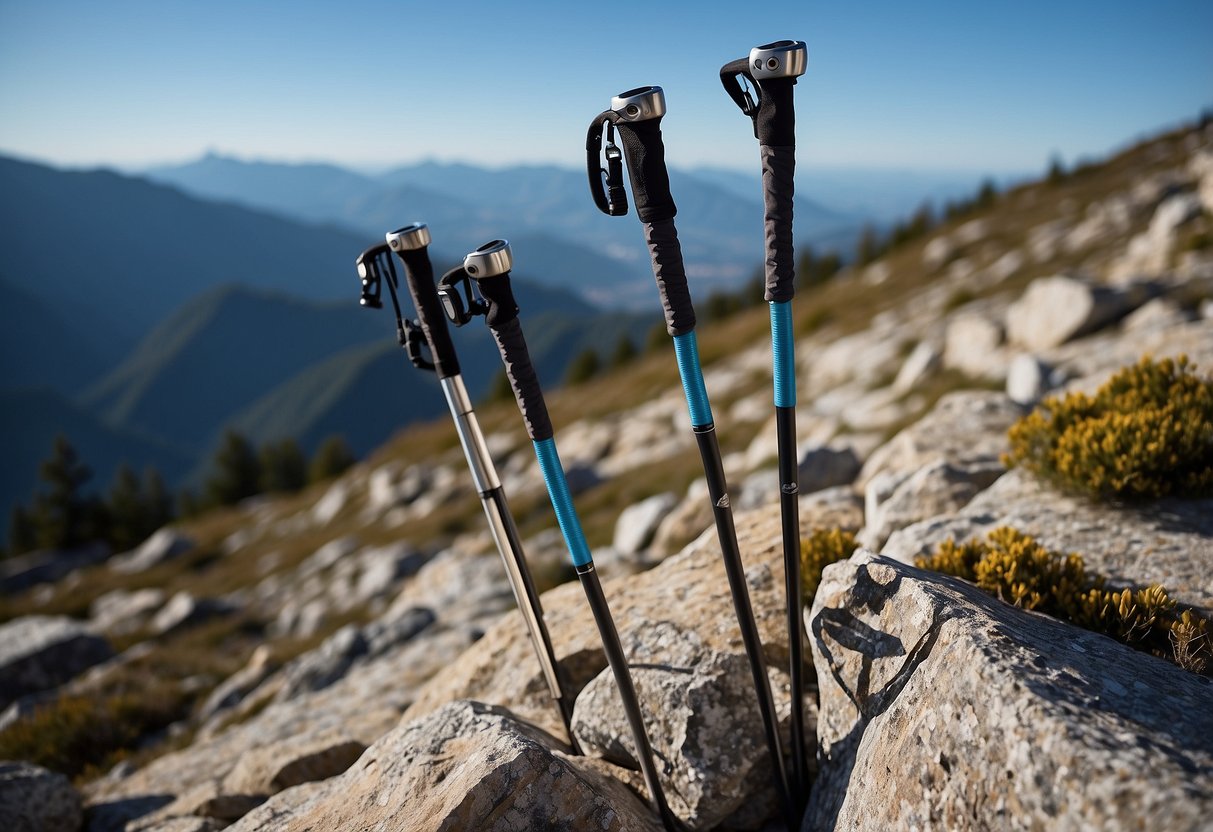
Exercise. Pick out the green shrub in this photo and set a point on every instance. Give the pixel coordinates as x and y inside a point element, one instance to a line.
<point>1147,432</point>
<point>77,735</point>
<point>1016,568</point>
<point>817,551</point>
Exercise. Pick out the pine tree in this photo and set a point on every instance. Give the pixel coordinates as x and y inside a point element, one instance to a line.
<point>22,534</point>
<point>331,460</point>
<point>585,365</point>
<point>127,511</point>
<point>869,247</point>
<point>283,467</point>
<point>63,516</point>
<point>157,500</point>
<point>625,352</point>
<point>237,475</point>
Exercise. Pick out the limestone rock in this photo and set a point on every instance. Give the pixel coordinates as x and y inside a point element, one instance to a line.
<point>164,545</point>
<point>39,652</point>
<point>942,707</point>
<point>965,429</point>
<point>330,505</point>
<point>121,611</point>
<point>1168,542</point>
<point>895,501</point>
<point>826,466</point>
<point>703,723</point>
<point>184,610</point>
<point>1057,309</point>
<point>972,345</point>
<point>239,684</point>
<point>920,363</point>
<point>496,774</point>
<point>33,799</point>
<point>1028,379</point>
<point>687,592</point>
<point>637,524</point>
<point>271,768</point>
<point>33,568</point>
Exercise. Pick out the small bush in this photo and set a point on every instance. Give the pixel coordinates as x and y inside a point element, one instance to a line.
<point>1147,432</point>
<point>1016,568</point>
<point>76,735</point>
<point>819,550</point>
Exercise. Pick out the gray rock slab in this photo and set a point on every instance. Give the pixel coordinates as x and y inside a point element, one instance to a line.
<point>944,708</point>
<point>39,652</point>
<point>33,799</point>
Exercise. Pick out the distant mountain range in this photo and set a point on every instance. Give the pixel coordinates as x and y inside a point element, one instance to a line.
<point>545,211</point>
<point>140,321</point>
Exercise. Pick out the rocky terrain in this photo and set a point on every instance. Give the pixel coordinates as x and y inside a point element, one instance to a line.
<point>348,658</point>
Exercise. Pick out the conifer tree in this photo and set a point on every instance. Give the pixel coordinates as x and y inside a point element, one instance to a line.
<point>237,474</point>
<point>63,516</point>
<point>283,466</point>
<point>331,459</point>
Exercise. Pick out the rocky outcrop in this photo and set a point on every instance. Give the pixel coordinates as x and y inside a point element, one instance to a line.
<point>33,568</point>
<point>185,610</point>
<point>267,769</point>
<point>465,766</point>
<point>33,799</point>
<point>637,524</point>
<point>677,626</point>
<point>162,546</point>
<point>942,707</point>
<point>1169,542</point>
<point>937,464</point>
<point>39,652</point>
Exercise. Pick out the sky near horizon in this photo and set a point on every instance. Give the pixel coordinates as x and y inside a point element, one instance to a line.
<point>990,87</point>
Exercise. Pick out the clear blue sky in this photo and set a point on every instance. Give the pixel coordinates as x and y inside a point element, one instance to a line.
<point>930,85</point>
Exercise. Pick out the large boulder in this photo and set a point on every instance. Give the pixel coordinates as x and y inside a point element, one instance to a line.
<point>465,766</point>
<point>33,799</point>
<point>686,594</point>
<point>944,708</point>
<point>703,724</point>
<point>267,769</point>
<point>1056,309</point>
<point>38,652</point>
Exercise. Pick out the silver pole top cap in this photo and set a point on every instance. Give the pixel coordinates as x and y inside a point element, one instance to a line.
<point>781,59</point>
<point>409,238</point>
<point>490,260</point>
<point>640,104</point>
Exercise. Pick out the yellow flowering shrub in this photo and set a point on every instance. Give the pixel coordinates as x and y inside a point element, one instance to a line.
<point>1016,568</point>
<point>1147,432</point>
<point>817,551</point>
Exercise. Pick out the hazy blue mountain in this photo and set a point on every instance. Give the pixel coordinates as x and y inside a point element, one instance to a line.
<point>602,257</point>
<point>42,345</point>
<point>121,253</point>
<point>29,422</point>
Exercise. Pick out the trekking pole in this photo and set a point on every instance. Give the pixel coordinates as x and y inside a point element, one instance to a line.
<point>374,265</point>
<point>637,115</point>
<point>490,267</point>
<point>773,70</point>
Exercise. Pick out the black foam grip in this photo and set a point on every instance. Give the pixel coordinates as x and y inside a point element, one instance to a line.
<point>646,169</point>
<point>499,296</point>
<point>778,175</point>
<point>419,275</point>
<point>776,121</point>
<point>671,276</point>
<point>521,373</point>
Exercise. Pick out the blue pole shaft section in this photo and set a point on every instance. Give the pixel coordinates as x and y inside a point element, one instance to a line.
<point>783,354</point>
<point>686,350</point>
<point>562,501</point>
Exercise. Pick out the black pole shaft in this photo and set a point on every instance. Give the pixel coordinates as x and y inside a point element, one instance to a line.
<point>726,532</point>
<point>627,690</point>
<point>789,506</point>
